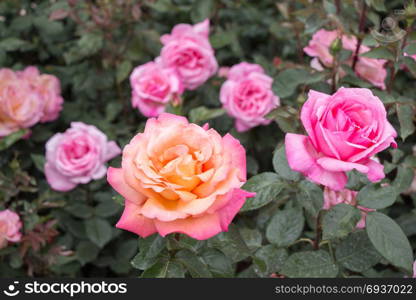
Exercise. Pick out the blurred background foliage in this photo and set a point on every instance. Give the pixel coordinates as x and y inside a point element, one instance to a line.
<point>92,46</point>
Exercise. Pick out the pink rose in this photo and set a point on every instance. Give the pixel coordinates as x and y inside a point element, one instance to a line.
<point>188,51</point>
<point>77,156</point>
<point>345,130</point>
<point>369,69</point>
<point>180,177</point>
<point>332,198</point>
<point>247,96</point>
<point>20,106</point>
<point>49,88</point>
<point>153,87</point>
<point>9,227</point>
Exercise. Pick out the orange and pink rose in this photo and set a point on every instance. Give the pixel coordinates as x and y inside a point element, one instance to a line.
<point>180,177</point>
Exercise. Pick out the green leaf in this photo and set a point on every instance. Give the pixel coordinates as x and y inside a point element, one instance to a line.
<point>86,252</point>
<point>379,53</point>
<point>403,179</point>
<point>356,252</point>
<point>410,49</point>
<point>267,187</point>
<point>252,238</point>
<point>376,197</point>
<point>285,227</point>
<point>38,160</point>
<point>281,165</point>
<point>12,44</point>
<point>405,113</point>
<point>310,264</point>
<point>231,244</point>
<point>106,209</point>
<point>389,240</point>
<point>149,250</point>
<point>184,242</point>
<point>287,81</point>
<point>339,221</point>
<point>202,113</point>
<point>194,264</point>
<point>201,10</point>
<point>311,197</point>
<point>410,63</point>
<point>165,268</point>
<point>12,138</point>
<point>123,70</point>
<point>219,264</point>
<point>269,259</point>
<point>99,231</point>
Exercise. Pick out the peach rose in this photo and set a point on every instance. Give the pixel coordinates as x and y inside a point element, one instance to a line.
<point>20,106</point>
<point>9,227</point>
<point>49,88</point>
<point>180,177</point>
<point>332,198</point>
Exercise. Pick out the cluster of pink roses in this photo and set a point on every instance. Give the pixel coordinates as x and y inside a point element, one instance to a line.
<point>186,61</point>
<point>10,226</point>
<point>369,69</point>
<point>247,95</point>
<point>26,98</point>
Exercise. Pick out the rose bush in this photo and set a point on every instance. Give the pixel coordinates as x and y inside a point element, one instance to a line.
<point>239,138</point>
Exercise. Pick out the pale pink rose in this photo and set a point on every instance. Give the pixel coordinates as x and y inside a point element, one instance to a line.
<point>188,51</point>
<point>10,226</point>
<point>369,69</point>
<point>77,156</point>
<point>49,88</point>
<point>180,177</point>
<point>153,87</point>
<point>345,130</point>
<point>332,198</point>
<point>20,106</point>
<point>247,96</point>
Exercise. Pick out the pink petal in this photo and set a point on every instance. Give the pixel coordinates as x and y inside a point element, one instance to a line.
<point>115,178</point>
<point>228,212</point>
<point>133,221</point>
<point>112,150</point>
<point>56,180</point>
<point>335,165</point>
<point>301,157</point>
<point>375,171</point>
<point>238,155</point>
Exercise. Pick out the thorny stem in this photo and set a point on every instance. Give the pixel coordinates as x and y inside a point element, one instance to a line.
<point>318,231</point>
<point>361,30</point>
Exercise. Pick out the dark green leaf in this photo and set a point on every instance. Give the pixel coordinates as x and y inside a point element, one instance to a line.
<point>202,114</point>
<point>267,187</point>
<point>218,263</point>
<point>38,160</point>
<point>310,264</point>
<point>339,221</point>
<point>405,113</point>
<point>377,197</point>
<point>379,53</point>
<point>149,250</point>
<point>201,10</point>
<point>389,240</point>
<point>311,197</point>
<point>357,253</point>
<point>194,264</point>
<point>281,165</point>
<point>12,138</point>
<point>99,231</point>
<point>285,227</point>
<point>269,259</point>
